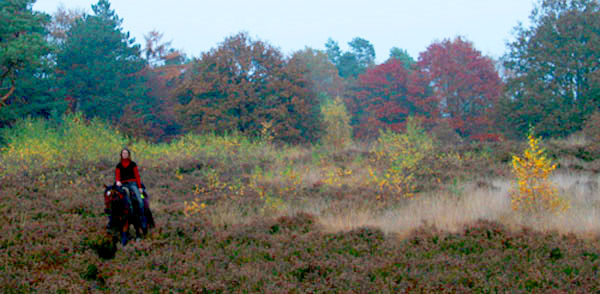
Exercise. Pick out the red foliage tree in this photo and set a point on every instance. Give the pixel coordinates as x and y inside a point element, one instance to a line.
<point>161,81</point>
<point>154,118</point>
<point>243,83</point>
<point>385,96</point>
<point>464,82</point>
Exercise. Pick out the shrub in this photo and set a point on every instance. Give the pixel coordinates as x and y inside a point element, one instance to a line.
<point>533,190</point>
<point>445,134</point>
<point>36,144</point>
<point>402,156</point>
<point>338,132</point>
<point>591,128</point>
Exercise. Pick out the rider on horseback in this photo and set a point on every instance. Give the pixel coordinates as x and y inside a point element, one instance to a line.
<point>128,176</point>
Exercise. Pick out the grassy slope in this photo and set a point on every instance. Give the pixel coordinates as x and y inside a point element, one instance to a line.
<point>273,223</point>
<point>51,243</point>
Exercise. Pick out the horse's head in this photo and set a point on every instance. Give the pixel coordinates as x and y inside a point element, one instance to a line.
<point>112,197</point>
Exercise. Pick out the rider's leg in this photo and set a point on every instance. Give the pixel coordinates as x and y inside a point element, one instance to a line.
<point>140,202</point>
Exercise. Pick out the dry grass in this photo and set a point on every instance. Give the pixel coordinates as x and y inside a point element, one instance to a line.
<point>454,208</point>
<point>574,140</point>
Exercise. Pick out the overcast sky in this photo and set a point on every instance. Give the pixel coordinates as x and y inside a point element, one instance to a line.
<point>197,26</point>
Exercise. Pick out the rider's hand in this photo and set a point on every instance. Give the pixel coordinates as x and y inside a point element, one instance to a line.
<point>141,190</point>
<point>118,183</point>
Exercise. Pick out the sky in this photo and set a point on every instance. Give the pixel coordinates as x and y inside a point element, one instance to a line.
<point>196,26</point>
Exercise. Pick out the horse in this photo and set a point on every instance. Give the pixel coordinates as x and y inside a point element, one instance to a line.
<point>120,214</point>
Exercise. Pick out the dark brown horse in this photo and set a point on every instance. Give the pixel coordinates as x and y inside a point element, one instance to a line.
<point>121,214</point>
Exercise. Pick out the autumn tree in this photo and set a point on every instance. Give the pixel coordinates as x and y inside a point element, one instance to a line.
<point>159,52</point>
<point>99,64</point>
<point>321,72</point>
<point>385,96</point>
<point>62,21</point>
<point>554,68</point>
<point>243,83</point>
<point>22,43</point>
<point>165,64</point>
<point>464,82</point>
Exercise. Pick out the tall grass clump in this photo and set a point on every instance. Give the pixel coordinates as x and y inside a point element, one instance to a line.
<point>38,144</point>
<point>400,157</point>
<point>533,190</point>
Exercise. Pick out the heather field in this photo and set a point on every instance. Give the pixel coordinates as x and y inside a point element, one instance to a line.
<point>405,213</point>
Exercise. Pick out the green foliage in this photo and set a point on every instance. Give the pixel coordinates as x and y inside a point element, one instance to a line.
<point>32,98</point>
<point>99,65</point>
<point>24,69</point>
<point>364,52</point>
<point>355,62</point>
<point>22,43</point>
<point>338,132</point>
<point>553,65</point>
<point>402,55</point>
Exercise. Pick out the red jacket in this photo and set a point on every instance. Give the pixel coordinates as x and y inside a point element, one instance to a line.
<point>127,171</point>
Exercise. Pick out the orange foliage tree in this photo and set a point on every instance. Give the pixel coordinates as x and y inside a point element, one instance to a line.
<point>244,82</point>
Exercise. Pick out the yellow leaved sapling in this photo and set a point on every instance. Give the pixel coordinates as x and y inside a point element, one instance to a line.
<point>532,190</point>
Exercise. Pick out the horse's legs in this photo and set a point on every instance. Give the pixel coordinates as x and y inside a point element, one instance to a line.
<point>134,220</point>
<point>124,233</point>
<point>136,226</point>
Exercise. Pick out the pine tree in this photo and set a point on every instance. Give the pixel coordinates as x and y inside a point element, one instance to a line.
<point>22,43</point>
<point>99,64</point>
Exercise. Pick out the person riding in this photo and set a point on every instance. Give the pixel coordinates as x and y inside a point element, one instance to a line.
<point>127,176</point>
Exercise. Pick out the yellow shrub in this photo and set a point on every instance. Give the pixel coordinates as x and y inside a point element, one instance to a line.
<point>37,144</point>
<point>532,190</point>
<point>193,207</point>
<point>337,176</point>
<point>402,156</point>
<point>338,132</point>
<point>266,131</point>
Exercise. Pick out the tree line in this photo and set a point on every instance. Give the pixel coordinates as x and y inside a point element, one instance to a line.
<point>74,61</point>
